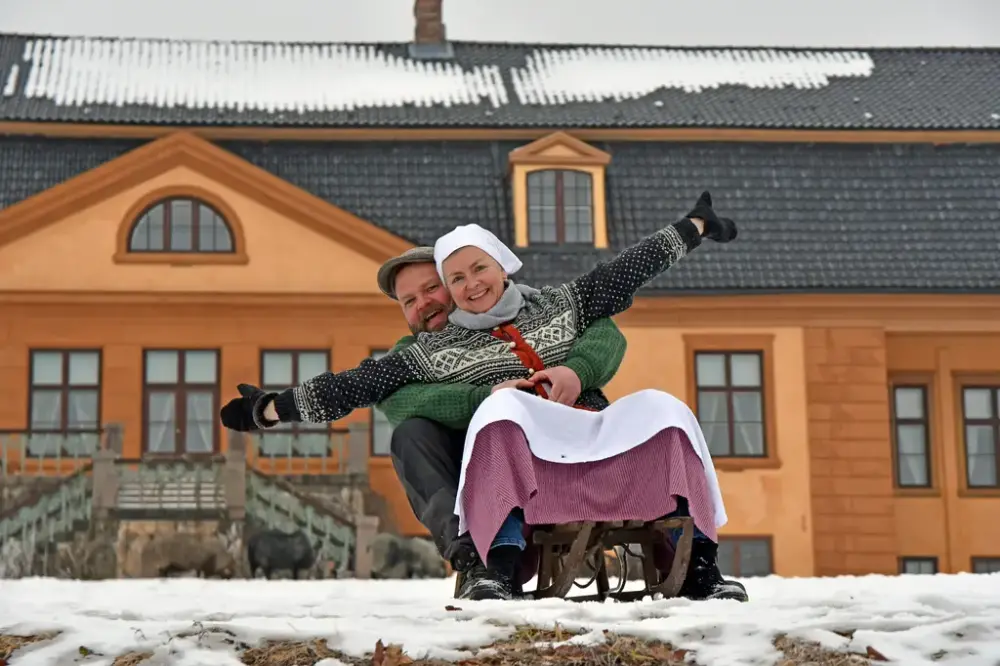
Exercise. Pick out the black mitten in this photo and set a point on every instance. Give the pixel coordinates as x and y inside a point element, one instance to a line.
<point>718,229</point>
<point>246,413</point>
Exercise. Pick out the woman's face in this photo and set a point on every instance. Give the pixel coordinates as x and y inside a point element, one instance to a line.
<point>474,279</point>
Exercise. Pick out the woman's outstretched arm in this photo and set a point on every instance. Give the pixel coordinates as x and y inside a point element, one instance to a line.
<point>610,287</point>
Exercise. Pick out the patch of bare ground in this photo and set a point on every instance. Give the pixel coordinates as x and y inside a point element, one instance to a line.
<point>526,646</point>
<point>10,643</point>
<point>131,658</point>
<point>531,646</point>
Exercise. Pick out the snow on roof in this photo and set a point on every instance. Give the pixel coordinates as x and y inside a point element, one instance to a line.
<point>599,74</point>
<point>321,77</point>
<point>271,77</point>
<point>915,620</point>
<point>738,23</point>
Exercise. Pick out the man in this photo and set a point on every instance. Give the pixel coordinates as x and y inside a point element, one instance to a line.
<point>430,420</point>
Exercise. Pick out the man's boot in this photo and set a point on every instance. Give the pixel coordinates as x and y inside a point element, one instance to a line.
<point>704,580</point>
<point>496,580</point>
<point>663,558</point>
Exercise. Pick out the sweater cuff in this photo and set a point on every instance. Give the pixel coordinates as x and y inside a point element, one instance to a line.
<point>284,404</point>
<point>582,370</point>
<point>689,233</point>
<point>476,397</point>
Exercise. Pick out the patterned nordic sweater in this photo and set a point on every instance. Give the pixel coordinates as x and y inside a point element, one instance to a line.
<point>550,323</point>
<point>595,358</point>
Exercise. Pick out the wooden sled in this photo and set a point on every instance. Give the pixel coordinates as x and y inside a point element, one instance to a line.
<point>571,551</point>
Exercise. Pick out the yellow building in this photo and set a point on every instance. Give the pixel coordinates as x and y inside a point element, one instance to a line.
<point>842,354</point>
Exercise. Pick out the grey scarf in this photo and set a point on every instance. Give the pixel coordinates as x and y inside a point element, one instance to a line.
<point>506,309</point>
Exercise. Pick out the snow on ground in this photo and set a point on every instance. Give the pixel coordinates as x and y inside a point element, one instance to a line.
<point>913,620</point>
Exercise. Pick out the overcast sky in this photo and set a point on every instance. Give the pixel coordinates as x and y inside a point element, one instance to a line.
<point>818,23</point>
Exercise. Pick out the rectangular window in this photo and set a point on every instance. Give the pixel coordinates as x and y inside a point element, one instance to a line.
<point>981,421</point>
<point>730,402</point>
<point>181,400</point>
<point>985,565</point>
<point>745,557</point>
<point>65,402</point>
<point>918,565</point>
<point>282,369</point>
<point>911,433</point>
<point>381,428</point>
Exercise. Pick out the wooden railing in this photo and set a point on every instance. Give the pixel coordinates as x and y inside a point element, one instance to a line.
<point>25,453</point>
<point>335,452</point>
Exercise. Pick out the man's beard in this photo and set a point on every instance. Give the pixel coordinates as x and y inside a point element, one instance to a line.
<point>426,315</point>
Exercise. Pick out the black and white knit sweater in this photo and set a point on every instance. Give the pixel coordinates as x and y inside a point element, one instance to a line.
<point>550,323</point>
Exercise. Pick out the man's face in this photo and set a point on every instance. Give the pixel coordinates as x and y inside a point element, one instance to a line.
<point>424,299</point>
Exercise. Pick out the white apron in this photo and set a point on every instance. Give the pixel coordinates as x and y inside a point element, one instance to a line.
<point>561,434</point>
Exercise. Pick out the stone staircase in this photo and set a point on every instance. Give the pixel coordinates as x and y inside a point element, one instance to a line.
<point>111,489</point>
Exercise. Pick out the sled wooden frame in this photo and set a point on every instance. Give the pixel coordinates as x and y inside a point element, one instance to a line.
<point>564,550</point>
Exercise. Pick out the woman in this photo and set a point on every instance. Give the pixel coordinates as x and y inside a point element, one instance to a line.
<point>504,332</point>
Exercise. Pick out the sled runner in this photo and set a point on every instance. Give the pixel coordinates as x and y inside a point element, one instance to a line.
<point>572,551</point>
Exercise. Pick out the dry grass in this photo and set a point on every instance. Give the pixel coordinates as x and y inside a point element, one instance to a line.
<point>531,646</point>
<point>131,658</point>
<point>288,653</point>
<point>9,643</point>
<point>526,646</point>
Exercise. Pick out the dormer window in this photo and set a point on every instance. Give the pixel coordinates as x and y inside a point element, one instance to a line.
<point>558,190</point>
<point>560,207</point>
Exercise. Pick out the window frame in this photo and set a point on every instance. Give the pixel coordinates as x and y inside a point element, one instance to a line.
<point>560,207</point>
<point>738,539</point>
<point>64,389</point>
<point>296,428</point>
<point>925,382</point>
<point>962,382</point>
<point>984,559</point>
<point>123,243</point>
<point>763,346</point>
<point>377,352</point>
<point>167,206</point>
<point>180,389</point>
<point>903,560</point>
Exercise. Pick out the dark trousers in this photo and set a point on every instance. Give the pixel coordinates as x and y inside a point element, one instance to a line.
<point>427,457</point>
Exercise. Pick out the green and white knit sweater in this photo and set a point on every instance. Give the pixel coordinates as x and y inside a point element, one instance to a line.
<point>550,323</point>
<point>595,358</point>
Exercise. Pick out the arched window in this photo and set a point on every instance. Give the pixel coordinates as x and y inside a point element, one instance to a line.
<point>560,207</point>
<point>181,224</point>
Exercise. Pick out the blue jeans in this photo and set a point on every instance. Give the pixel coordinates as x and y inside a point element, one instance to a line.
<point>680,511</point>
<point>510,532</point>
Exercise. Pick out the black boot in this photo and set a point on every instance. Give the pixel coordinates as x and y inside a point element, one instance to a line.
<point>704,580</point>
<point>496,580</point>
<point>461,553</point>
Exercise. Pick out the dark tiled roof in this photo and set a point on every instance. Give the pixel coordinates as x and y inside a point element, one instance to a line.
<point>816,218</point>
<point>494,86</point>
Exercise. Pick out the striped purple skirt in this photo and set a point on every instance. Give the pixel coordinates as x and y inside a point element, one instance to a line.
<point>642,483</point>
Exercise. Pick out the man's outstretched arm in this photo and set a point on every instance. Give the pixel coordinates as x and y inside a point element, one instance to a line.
<point>451,405</point>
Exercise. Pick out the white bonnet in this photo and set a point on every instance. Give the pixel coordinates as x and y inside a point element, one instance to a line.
<point>476,236</point>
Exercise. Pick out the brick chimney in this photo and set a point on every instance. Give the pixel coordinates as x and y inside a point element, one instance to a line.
<point>429,39</point>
